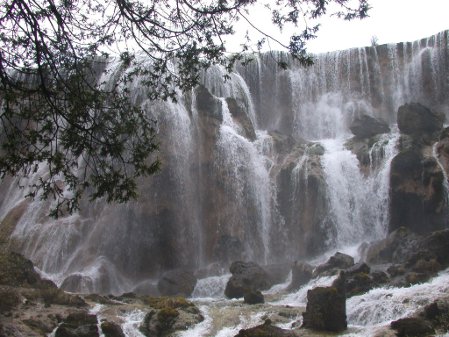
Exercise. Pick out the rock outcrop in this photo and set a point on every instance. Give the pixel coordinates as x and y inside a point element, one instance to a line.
<point>178,282</point>
<point>169,315</point>
<point>412,327</point>
<point>80,324</point>
<point>326,308</point>
<point>337,262</point>
<point>418,197</point>
<point>246,277</point>
<point>265,330</point>
<point>366,126</point>
<point>413,258</point>
<point>302,273</point>
<point>254,297</point>
<point>416,119</point>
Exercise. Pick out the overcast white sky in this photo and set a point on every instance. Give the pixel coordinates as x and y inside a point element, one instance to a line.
<point>389,21</point>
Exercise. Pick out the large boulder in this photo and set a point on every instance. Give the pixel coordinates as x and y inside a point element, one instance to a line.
<point>265,330</point>
<point>366,126</point>
<point>417,194</point>
<point>79,324</point>
<point>411,327</point>
<point>326,309</point>
<point>416,119</point>
<point>168,315</point>
<point>254,297</point>
<point>337,262</point>
<point>19,272</point>
<point>246,277</point>
<point>177,282</point>
<point>111,329</point>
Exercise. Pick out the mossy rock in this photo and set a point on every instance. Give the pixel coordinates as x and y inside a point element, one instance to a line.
<point>265,330</point>
<point>167,302</point>
<point>54,296</point>
<point>9,298</point>
<point>15,270</point>
<point>78,324</point>
<point>111,329</point>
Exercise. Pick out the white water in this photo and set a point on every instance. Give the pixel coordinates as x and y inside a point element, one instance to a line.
<point>132,321</point>
<point>366,314</point>
<point>359,203</point>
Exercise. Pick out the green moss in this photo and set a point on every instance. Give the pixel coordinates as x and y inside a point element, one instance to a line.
<point>167,302</point>
<point>167,317</point>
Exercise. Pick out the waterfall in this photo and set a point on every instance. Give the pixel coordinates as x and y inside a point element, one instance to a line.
<point>256,166</point>
<point>359,204</point>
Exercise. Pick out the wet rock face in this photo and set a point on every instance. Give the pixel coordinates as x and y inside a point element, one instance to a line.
<point>302,273</point>
<point>79,324</point>
<point>302,200</point>
<point>169,314</point>
<point>417,193</point>
<point>240,116</point>
<point>111,329</point>
<point>265,330</point>
<point>246,277</point>
<point>411,327</point>
<point>415,119</point>
<point>337,262</point>
<point>366,126</point>
<point>414,258</point>
<point>253,297</point>
<point>177,282</point>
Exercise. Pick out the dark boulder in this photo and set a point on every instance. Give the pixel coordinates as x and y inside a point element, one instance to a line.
<point>240,115</point>
<point>416,119</point>
<point>412,326</point>
<point>358,268</point>
<point>396,248</point>
<point>111,329</point>
<point>437,314</point>
<point>326,309</point>
<point>366,126</point>
<point>18,271</point>
<point>246,277</point>
<point>169,314</point>
<point>159,322</point>
<point>9,298</point>
<point>79,324</point>
<point>265,330</point>
<point>253,297</point>
<point>302,273</point>
<point>337,262</point>
<point>177,282</point>
<point>417,194</point>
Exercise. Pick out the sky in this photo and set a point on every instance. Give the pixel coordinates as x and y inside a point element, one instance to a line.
<point>389,20</point>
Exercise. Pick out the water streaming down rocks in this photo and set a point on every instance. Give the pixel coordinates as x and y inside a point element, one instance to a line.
<point>259,167</point>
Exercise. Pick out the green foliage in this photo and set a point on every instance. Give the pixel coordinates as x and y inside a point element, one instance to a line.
<point>56,115</point>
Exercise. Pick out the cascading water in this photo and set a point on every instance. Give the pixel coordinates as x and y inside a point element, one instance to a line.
<point>359,204</point>
<point>256,167</point>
